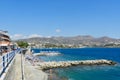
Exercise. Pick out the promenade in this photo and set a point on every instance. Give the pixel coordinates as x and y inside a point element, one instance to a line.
<point>24,70</point>
<point>18,70</point>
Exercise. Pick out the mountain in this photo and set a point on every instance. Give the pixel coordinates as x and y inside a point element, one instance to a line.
<point>76,40</point>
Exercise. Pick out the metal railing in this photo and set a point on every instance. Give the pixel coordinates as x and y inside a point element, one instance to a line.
<point>5,60</point>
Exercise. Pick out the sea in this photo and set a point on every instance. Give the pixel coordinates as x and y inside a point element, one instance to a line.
<point>94,72</point>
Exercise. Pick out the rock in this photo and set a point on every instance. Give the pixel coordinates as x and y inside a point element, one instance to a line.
<point>62,64</point>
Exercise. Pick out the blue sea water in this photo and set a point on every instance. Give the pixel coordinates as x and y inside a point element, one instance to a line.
<point>103,72</point>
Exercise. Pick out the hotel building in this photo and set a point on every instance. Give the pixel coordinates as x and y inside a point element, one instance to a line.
<point>5,40</point>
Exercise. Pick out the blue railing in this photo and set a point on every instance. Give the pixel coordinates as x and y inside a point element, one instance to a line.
<point>5,60</point>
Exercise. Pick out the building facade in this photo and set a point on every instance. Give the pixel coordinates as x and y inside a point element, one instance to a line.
<point>4,38</point>
<point>5,42</point>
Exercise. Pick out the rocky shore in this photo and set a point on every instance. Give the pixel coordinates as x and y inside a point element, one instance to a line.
<point>50,66</point>
<point>62,64</point>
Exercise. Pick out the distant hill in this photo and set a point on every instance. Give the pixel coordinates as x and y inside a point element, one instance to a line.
<point>76,40</point>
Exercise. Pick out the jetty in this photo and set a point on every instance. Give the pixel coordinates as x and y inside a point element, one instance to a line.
<point>62,64</point>
<point>47,53</point>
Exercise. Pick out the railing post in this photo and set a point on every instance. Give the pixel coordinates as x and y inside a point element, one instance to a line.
<point>14,54</point>
<point>7,59</point>
<point>3,64</point>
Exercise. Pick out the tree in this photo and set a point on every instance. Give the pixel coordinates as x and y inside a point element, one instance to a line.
<point>22,44</point>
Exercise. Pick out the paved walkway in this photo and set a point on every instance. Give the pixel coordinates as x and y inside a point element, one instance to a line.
<point>29,72</point>
<point>18,72</point>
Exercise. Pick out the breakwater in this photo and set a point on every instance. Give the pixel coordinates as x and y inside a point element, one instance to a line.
<point>62,64</point>
<point>47,53</point>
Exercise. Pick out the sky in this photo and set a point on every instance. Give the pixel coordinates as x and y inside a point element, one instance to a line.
<point>46,18</point>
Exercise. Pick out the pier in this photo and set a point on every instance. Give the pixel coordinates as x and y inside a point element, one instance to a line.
<point>47,53</point>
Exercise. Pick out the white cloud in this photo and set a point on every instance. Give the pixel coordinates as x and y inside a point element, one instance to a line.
<point>21,36</point>
<point>34,35</point>
<point>58,30</point>
<point>17,36</point>
<point>48,36</point>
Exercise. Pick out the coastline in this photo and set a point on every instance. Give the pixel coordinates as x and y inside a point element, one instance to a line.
<point>35,73</point>
<point>31,71</point>
<point>47,72</point>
